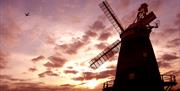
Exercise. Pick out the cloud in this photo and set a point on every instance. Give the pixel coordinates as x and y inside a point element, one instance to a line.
<point>91,75</point>
<point>77,43</point>
<point>70,71</point>
<point>91,33</point>
<point>175,72</point>
<point>104,36</point>
<point>168,57</point>
<point>69,67</point>
<point>72,48</point>
<point>3,59</point>
<point>50,39</point>
<point>101,45</point>
<point>97,25</point>
<point>164,64</point>
<point>39,86</point>
<point>23,86</point>
<point>48,73</point>
<point>173,43</point>
<point>39,58</point>
<point>87,35</point>
<point>78,78</point>
<point>55,62</point>
<point>10,78</point>
<point>67,85</point>
<point>32,69</point>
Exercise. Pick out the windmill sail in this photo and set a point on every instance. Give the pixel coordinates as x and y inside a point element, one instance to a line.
<point>111,16</point>
<point>105,55</point>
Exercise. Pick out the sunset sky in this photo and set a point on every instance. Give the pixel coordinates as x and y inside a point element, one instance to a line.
<point>50,49</point>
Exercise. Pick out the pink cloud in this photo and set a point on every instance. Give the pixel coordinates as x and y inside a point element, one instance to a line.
<point>39,58</point>
<point>101,45</point>
<point>32,69</point>
<point>104,36</point>
<point>55,62</point>
<point>50,39</point>
<point>91,75</point>
<point>70,48</point>
<point>97,25</point>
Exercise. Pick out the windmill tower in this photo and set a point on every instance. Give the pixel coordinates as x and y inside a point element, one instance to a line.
<point>137,68</point>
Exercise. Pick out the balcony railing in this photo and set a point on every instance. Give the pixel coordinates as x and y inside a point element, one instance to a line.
<point>168,81</point>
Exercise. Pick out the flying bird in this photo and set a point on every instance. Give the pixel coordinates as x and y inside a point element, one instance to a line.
<point>27,14</point>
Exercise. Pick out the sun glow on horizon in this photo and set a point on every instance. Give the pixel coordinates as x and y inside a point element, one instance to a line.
<point>91,84</point>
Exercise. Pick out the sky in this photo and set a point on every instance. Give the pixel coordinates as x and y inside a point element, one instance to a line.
<point>49,50</point>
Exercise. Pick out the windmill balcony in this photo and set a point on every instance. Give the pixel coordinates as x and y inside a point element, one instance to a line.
<point>168,81</point>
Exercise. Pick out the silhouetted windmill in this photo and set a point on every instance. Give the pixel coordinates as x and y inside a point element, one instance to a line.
<point>137,68</point>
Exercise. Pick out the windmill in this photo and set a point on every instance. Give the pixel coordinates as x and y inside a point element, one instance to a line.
<point>137,68</point>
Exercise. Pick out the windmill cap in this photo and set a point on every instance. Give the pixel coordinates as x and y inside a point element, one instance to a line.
<point>143,6</point>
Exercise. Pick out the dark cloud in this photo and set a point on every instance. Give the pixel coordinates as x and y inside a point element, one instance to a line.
<point>38,58</point>
<point>55,62</point>
<point>48,73</point>
<point>67,85</point>
<point>69,67</point>
<point>164,64</point>
<point>70,71</point>
<point>91,75</point>
<point>101,45</point>
<point>32,69</point>
<point>168,57</point>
